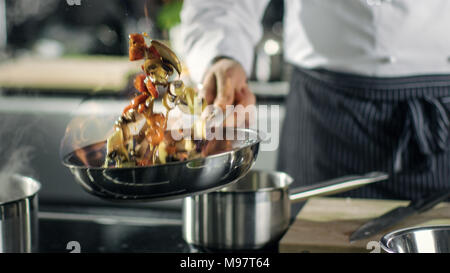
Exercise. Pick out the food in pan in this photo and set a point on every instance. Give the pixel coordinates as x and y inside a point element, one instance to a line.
<point>140,135</point>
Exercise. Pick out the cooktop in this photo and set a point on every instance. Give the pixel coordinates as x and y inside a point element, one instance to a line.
<point>102,230</point>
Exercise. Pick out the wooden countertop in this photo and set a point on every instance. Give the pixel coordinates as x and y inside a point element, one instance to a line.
<point>325,224</point>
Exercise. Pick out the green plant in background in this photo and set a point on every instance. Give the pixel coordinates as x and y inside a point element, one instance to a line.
<point>169,15</point>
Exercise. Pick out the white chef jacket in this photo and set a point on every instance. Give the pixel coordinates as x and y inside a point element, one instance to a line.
<point>367,37</point>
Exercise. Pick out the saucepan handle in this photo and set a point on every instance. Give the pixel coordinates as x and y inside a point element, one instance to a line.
<point>335,186</point>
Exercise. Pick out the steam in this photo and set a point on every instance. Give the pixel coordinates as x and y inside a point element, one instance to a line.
<point>17,163</point>
<point>15,153</point>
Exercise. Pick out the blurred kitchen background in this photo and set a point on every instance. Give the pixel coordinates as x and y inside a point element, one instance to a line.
<point>58,55</point>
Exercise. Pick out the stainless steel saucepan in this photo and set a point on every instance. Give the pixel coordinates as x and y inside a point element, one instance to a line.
<point>255,211</point>
<point>18,214</point>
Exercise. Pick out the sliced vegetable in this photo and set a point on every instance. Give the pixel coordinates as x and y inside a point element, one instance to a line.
<point>167,54</point>
<point>127,108</point>
<point>138,48</point>
<point>147,142</point>
<point>153,53</point>
<point>151,88</point>
<point>138,100</point>
<point>139,83</point>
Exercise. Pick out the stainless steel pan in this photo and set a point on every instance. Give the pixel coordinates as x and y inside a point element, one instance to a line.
<point>255,211</point>
<point>228,161</point>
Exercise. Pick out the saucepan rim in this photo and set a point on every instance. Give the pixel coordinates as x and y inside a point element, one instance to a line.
<point>35,187</point>
<point>283,182</point>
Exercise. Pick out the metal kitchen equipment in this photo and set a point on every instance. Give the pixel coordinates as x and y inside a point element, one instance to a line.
<point>18,214</point>
<point>255,211</point>
<point>171,180</point>
<point>398,214</point>
<point>431,239</point>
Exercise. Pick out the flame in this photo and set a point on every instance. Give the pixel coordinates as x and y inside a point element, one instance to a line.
<point>86,133</point>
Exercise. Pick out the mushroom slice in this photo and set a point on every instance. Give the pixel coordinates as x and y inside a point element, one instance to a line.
<point>115,146</point>
<point>167,54</point>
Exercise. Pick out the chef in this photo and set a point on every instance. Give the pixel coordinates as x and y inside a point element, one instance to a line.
<point>370,90</point>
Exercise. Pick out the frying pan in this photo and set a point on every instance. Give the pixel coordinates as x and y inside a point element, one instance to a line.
<point>255,211</point>
<point>227,161</point>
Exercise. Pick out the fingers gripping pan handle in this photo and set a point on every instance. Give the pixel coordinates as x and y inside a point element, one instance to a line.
<point>335,186</point>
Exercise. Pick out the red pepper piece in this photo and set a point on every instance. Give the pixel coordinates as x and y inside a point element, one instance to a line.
<point>139,83</point>
<point>141,108</point>
<point>128,107</point>
<point>153,53</point>
<point>138,100</point>
<point>151,88</point>
<point>157,126</point>
<point>137,47</point>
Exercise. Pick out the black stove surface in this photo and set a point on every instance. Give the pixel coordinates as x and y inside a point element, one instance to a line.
<point>55,236</point>
<point>111,230</point>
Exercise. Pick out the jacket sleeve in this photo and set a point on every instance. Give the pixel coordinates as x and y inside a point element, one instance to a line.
<point>212,28</point>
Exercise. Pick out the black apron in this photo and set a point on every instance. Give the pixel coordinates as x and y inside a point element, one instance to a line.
<point>339,124</point>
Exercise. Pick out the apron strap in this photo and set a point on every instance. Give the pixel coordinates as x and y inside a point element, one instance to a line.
<point>427,122</point>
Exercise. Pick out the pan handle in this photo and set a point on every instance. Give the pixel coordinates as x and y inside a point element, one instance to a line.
<point>335,186</point>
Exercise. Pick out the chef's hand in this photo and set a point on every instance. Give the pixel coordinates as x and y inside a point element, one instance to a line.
<point>225,83</point>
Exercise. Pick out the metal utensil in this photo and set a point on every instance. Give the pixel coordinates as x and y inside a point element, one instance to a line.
<point>229,161</point>
<point>396,215</point>
<point>18,214</point>
<point>431,239</point>
<point>255,211</point>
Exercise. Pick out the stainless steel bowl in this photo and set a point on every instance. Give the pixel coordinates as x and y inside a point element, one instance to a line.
<point>432,239</point>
